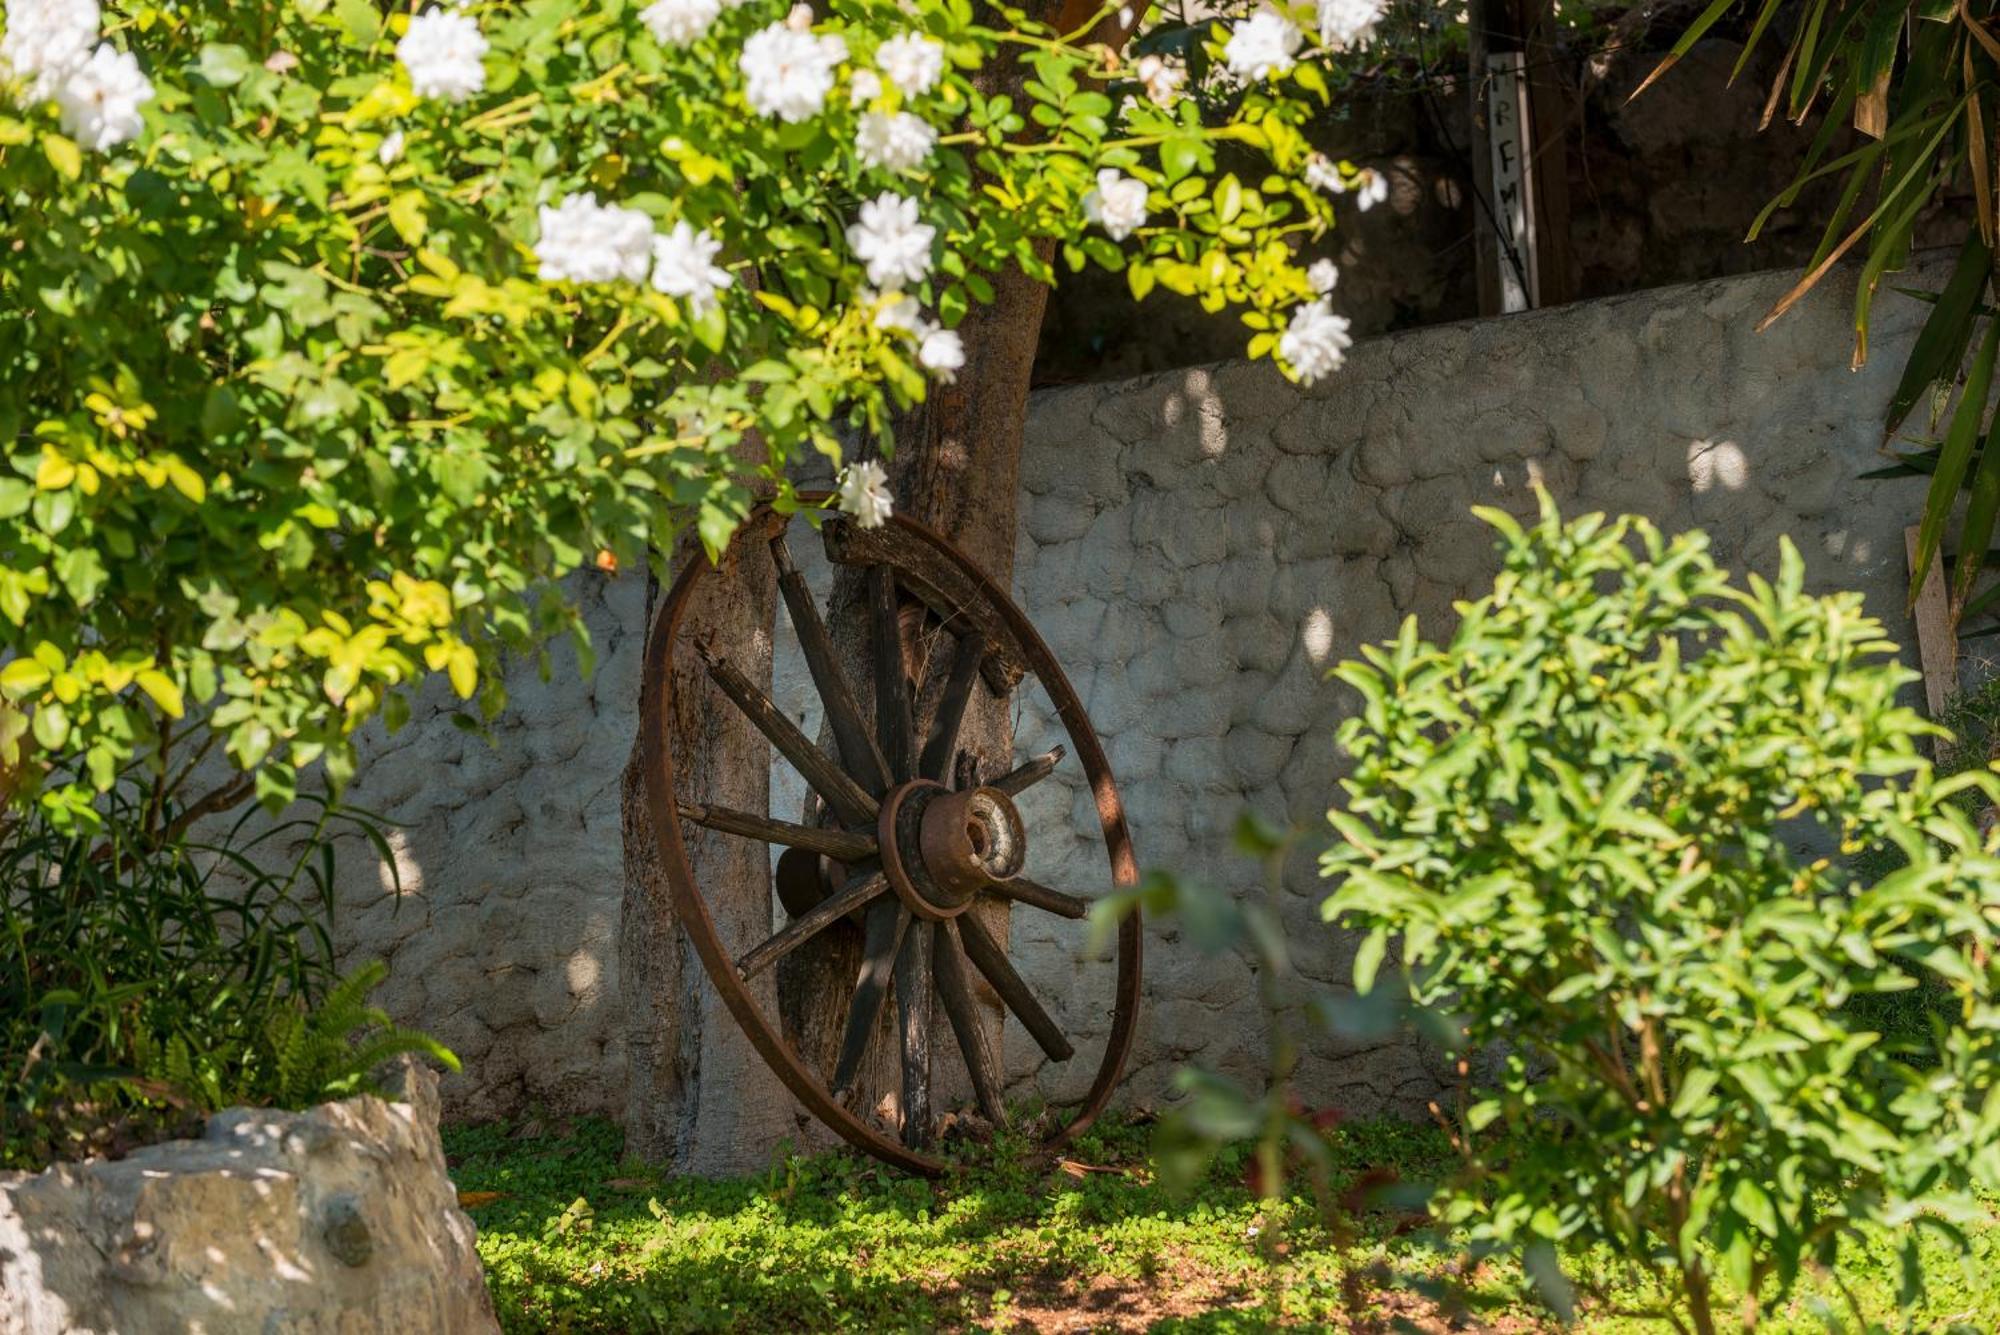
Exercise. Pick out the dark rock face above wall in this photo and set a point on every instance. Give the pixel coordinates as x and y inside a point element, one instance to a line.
<point>1663,189</point>
<point>1198,548</point>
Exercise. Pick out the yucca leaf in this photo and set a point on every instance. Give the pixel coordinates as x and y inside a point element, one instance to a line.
<point>1940,349</point>
<point>1703,22</point>
<point>1954,456</point>
<point>1889,198</point>
<point>1764,17</point>
<point>1888,248</point>
<point>1906,465</point>
<point>1980,510</point>
<point>1984,601</point>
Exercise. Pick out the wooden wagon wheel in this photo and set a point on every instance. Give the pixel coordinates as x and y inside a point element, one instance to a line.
<point>909,841</point>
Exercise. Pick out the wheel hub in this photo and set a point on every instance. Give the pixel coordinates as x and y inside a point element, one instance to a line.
<point>940,848</point>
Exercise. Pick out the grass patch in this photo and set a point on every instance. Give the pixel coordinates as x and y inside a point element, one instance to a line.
<point>577,1239</point>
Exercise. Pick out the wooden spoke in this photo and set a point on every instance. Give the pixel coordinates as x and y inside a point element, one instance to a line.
<point>1016,782</point>
<point>859,889</point>
<point>843,712</point>
<point>882,938</point>
<point>836,844</point>
<point>1036,895</point>
<point>987,956</point>
<point>965,661</point>
<point>847,798</point>
<point>893,729</point>
<point>913,1015</point>
<point>954,982</point>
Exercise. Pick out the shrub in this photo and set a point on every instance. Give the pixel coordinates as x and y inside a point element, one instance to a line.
<point>145,982</point>
<point>1612,826</point>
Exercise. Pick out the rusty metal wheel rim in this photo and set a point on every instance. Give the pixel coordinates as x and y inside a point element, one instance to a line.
<point>765,1032</point>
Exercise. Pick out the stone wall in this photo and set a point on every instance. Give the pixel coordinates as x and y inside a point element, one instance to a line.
<point>1198,547</point>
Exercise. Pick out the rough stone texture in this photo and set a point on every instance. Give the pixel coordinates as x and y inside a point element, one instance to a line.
<point>1198,547</point>
<point>338,1219</point>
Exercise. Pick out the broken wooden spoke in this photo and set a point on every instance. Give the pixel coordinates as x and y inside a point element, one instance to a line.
<point>839,845</point>
<point>913,1014</point>
<point>847,798</point>
<point>1039,896</point>
<point>882,938</point>
<point>936,581</point>
<point>843,711</point>
<point>1015,782</point>
<point>987,956</point>
<point>858,891</point>
<point>965,661</point>
<point>954,985</point>
<point>893,728</point>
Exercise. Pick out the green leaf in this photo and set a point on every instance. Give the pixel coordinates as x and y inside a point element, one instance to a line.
<point>163,690</point>
<point>1368,959</point>
<point>23,677</point>
<point>406,215</point>
<point>51,725</point>
<point>1751,1201</point>
<point>360,19</point>
<point>63,155</point>
<point>225,65</point>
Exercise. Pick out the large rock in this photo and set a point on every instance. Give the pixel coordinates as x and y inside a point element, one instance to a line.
<point>338,1219</point>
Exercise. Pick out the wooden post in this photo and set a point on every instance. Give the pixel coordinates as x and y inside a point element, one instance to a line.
<point>1520,164</point>
<point>1937,642</point>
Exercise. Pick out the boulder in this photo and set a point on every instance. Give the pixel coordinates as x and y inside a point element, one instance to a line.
<point>341,1218</point>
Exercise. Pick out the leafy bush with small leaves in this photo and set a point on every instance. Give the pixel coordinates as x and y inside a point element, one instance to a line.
<point>1583,820</point>
<point>145,980</point>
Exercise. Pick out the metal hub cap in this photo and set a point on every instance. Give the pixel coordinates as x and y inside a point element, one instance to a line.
<point>939,849</point>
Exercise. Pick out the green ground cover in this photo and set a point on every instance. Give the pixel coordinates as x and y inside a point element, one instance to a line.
<point>577,1239</point>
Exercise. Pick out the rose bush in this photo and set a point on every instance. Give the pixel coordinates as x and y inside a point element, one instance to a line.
<point>335,338</point>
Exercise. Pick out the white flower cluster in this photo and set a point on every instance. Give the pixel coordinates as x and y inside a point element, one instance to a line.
<point>890,239</point>
<point>1370,186</point>
<point>583,241</point>
<point>445,54</point>
<point>1315,342</point>
<point>1161,81</point>
<point>1118,204</point>
<point>1346,25</point>
<point>52,46</point>
<point>680,22</point>
<point>939,350</point>
<point>894,141</point>
<point>684,267</point>
<point>863,491</point>
<point>787,72</point>
<point>1265,45</point>
<point>912,64</point>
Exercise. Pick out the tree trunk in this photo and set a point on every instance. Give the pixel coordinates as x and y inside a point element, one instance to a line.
<point>957,470</point>
<point>698,1096</point>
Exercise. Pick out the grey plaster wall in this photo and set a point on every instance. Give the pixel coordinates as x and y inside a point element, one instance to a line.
<point>1199,547</point>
